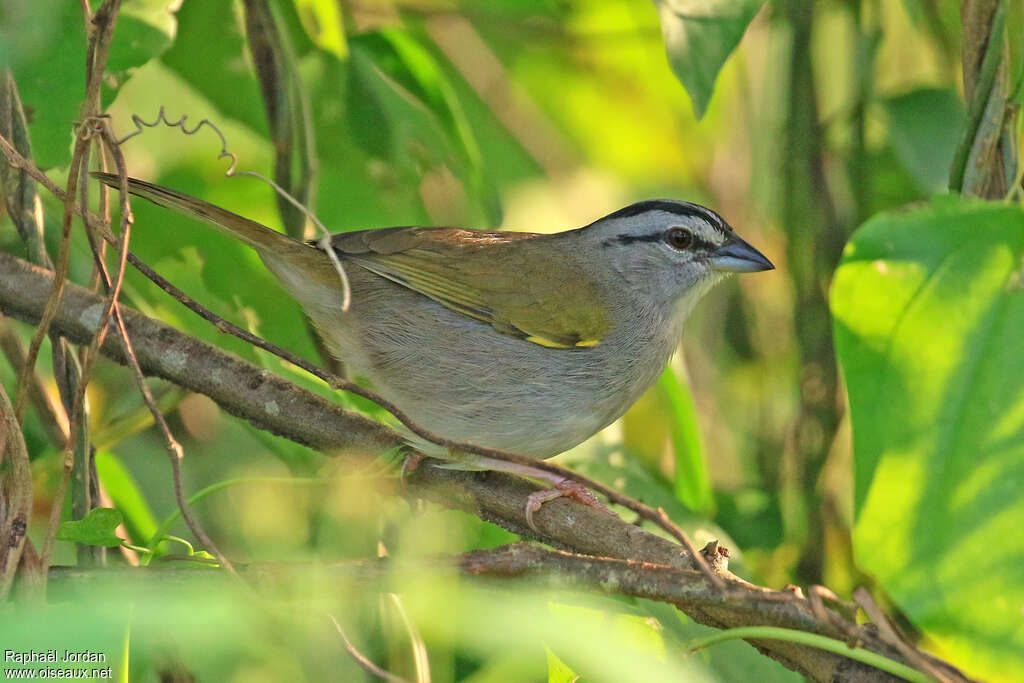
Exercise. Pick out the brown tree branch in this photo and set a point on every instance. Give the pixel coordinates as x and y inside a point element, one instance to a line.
<point>685,588</point>
<point>647,565</point>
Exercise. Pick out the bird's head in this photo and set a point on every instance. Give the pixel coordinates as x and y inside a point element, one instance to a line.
<point>669,252</point>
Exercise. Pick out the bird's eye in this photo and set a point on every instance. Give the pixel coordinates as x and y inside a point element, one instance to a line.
<point>679,238</point>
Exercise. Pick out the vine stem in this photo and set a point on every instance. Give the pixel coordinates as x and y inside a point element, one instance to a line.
<point>813,640</point>
<point>982,92</point>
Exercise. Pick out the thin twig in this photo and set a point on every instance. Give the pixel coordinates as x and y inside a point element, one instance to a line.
<point>324,242</point>
<point>99,47</point>
<point>50,412</point>
<point>52,306</point>
<point>74,373</point>
<point>889,632</point>
<point>174,450</point>
<point>60,278</point>
<point>16,501</point>
<point>362,660</point>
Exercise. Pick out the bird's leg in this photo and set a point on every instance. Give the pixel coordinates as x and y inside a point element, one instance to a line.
<point>562,487</point>
<point>410,462</point>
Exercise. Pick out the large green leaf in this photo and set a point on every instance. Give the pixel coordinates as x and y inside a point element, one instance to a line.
<point>699,36</point>
<point>929,318</point>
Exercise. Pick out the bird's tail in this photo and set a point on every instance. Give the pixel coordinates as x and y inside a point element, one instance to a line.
<point>271,245</point>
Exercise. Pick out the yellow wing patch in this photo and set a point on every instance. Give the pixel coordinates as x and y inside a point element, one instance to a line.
<point>552,344</point>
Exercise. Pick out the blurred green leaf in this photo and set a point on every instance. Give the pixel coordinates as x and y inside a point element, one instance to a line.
<point>323,24</point>
<point>699,36</point>
<point>924,126</point>
<point>211,55</point>
<point>558,671</point>
<point>403,109</point>
<point>96,528</point>
<point>44,41</point>
<point>692,482</point>
<point>929,314</point>
<point>49,69</point>
<point>732,661</point>
<point>145,28</point>
<point>426,78</point>
<point>752,516</point>
<point>124,491</point>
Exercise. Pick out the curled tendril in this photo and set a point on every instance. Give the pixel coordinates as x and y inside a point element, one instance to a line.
<point>325,239</point>
<point>91,126</point>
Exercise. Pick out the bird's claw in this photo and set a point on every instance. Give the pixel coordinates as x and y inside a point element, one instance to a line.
<point>566,488</point>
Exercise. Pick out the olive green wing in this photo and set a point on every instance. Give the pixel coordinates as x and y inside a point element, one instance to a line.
<point>508,280</point>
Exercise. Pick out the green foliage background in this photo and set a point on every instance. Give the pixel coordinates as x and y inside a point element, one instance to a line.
<point>542,116</point>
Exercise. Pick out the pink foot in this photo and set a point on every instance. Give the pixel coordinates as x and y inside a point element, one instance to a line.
<point>565,488</point>
<point>409,465</point>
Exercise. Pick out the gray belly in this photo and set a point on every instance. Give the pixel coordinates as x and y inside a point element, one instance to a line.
<point>461,379</point>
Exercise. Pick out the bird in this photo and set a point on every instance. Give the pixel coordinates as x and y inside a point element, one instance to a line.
<point>522,342</point>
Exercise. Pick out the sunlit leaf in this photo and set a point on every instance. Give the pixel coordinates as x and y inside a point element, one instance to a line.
<point>323,23</point>
<point>699,36</point>
<point>929,314</point>
<point>692,482</point>
<point>96,528</point>
<point>559,671</point>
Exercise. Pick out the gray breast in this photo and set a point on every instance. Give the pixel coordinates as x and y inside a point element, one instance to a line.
<point>463,380</point>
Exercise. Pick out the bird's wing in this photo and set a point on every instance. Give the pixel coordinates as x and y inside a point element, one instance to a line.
<point>519,290</point>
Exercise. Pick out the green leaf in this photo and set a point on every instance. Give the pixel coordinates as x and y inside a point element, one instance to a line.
<point>96,528</point>
<point>731,661</point>
<point>699,36</point>
<point>559,671</point>
<point>322,21</point>
<point>124,490</point>
<point>47,55</point>
<point>692,482</point>
<point>404,110</point>
<point>924,126</point>
<point>49,69</point>
<point>145,29</point>
<point>929,314</point>
<point>210,54</point>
